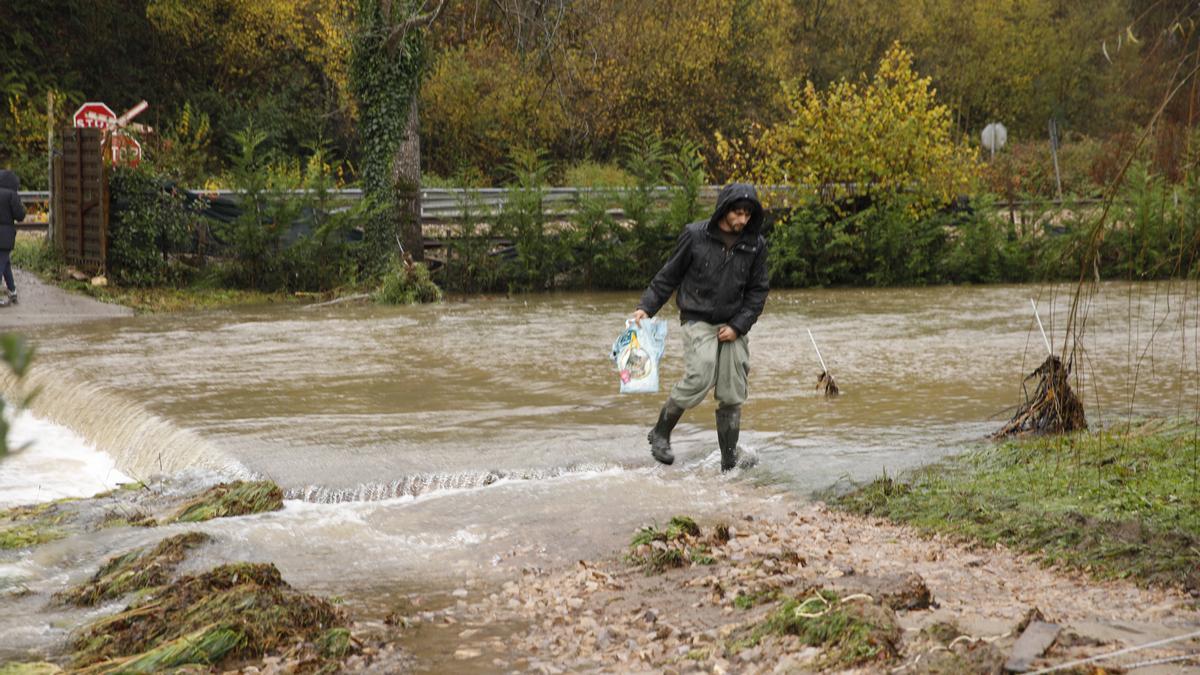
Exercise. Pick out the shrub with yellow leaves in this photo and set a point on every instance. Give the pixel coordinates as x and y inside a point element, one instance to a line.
<point>877,138</point>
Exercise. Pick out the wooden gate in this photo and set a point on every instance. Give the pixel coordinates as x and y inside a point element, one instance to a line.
<point>81,199</point>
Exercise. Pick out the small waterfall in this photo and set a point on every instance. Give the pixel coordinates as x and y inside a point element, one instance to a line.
<point>411,486</point>
<point>142,443</point>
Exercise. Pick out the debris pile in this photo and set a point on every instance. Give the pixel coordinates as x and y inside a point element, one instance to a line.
<point>1053,408</point>
<point>238,498</point>
<point>137,570</point>
<point>231,612</point>
<point>826,385</point>
<point>681,543</point>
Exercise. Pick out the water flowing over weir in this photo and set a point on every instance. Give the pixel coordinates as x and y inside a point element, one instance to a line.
<point>364,402</point>
<point>141,443</point>
<point>421,446</point>
<point>420,484</point>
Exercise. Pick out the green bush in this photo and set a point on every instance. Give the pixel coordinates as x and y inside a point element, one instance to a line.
<point>408,284</point>
<point>254,239</point>
<point>601,257</point>
<point>1145,241</point>
<point>471,265</point>
<point>326,257</point>
<point>888,244</point>
<point>899,248</point>
<point>148,222</point>
<point>261,249</point>
<point>539,253</point>
<point>882,244</point>
<point>589,174</point>
<point>986,250</point>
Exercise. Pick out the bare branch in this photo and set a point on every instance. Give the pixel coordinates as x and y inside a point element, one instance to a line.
<point>400,30</point>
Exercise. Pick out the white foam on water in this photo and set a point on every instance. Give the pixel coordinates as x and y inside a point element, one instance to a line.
<point>55,463</point>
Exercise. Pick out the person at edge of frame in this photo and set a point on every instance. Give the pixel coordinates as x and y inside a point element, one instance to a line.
<point>12,211</point>
<point>719,268</point>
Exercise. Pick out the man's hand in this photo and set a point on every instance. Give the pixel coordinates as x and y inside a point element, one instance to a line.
<point>638,315</point>
<point>726,333</point>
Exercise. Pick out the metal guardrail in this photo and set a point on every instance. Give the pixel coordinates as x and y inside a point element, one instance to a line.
<point>38,198</point>
<point>439,205</point>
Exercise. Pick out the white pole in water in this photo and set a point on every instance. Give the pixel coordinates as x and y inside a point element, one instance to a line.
<point>818,351</point>
<point>1039,320</point>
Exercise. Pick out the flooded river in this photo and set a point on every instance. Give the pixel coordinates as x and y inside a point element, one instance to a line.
<point>425,445</point>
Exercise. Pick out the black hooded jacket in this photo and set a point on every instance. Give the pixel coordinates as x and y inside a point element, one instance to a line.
<point>12,211</point>
<point>716,286</point>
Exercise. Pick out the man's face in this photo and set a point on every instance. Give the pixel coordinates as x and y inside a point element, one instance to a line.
<point>735,220</point>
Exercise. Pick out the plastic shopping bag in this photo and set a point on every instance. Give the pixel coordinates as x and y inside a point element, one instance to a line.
<point>636,354</point>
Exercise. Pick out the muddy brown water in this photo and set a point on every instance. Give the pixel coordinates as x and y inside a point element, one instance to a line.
<point>425,446</point>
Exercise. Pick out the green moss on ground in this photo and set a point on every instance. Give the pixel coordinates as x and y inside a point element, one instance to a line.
<point>231,499</point>
<point>25,526</point>
<point>230,613</point>
<point>679,544</point>
<point>849,631</point>
<point>127,518</point>
<point>30,668</point>
<point>1123,503</point>
<point>121,487</point>
<point>134,571</point>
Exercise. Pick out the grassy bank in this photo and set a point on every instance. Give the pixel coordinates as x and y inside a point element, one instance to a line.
<point>33,255</point>
<point>154,300</point>
<point>1120,503</point>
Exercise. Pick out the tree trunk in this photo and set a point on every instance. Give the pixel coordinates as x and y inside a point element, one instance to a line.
<point>406,176</point>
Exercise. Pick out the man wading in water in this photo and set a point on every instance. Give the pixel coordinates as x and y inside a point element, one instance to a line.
<point>720,269</point>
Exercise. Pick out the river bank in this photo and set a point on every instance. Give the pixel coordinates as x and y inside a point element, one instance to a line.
<point>899,602</point>
<point>433,455</point>
<point>1094,534</point>
<point>1119,503</point>
<point>51,293</point>
<point>780,585</point>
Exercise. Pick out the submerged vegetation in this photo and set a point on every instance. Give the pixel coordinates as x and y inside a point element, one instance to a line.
<point>238,498</point>
<point>220,618</point>
<point>230,612</point>
<point>25,526</point>
<point>1123,502</point>
<point>134,571</point>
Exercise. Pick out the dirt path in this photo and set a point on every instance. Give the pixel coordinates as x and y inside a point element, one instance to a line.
<point>954,608</point>
<point>41,303</point>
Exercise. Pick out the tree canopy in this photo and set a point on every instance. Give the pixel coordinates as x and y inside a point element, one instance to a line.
<point>574,77</point>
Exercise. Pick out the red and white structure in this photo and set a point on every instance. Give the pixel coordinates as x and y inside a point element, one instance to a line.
<point>125,149</point>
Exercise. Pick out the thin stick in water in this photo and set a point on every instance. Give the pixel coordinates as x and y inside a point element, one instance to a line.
<point>1049,351</point>
<point>818,351</point>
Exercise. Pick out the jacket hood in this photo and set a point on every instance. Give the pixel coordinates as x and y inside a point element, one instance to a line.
<point>9,180</point>
<point>732,193</point>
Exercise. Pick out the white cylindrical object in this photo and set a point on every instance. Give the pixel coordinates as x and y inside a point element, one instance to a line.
<point>1049,351</point>
<point>818,351</point>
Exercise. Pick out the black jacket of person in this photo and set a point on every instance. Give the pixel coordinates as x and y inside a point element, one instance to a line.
<point>716,285</point>
<point>12,211</point>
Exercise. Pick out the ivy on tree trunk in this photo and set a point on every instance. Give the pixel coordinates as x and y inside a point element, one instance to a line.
<point>388,55</point>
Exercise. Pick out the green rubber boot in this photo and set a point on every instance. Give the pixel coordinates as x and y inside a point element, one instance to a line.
<point>729,427</point>
<point>660,435</point>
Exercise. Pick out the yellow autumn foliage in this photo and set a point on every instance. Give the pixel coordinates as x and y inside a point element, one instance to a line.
<point>879,137</point>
